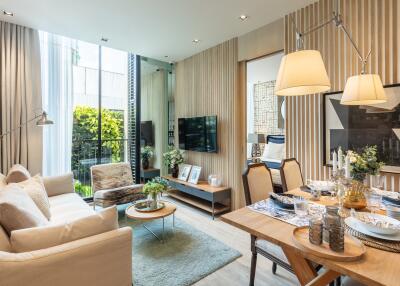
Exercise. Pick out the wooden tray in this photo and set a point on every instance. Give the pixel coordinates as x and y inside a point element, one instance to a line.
<point>353,248</point>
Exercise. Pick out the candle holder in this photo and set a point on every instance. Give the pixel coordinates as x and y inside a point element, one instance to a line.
<point>354,196</point>
<point>315,231</point>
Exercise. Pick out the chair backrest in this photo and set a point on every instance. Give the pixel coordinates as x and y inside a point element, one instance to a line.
<point>291,175</point>
<point>257,183</point>
<point>277,139</point>
<point>111,176</point>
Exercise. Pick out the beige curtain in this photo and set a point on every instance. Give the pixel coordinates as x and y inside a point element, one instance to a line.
<point>20,97</point>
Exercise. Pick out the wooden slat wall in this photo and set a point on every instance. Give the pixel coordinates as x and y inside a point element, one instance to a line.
<point>207,84</point>
<point>372,23</point>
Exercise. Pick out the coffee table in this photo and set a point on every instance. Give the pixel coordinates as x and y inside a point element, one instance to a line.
<point>168,210</point>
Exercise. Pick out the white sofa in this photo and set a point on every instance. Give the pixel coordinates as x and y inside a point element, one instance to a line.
<point>101,260</point>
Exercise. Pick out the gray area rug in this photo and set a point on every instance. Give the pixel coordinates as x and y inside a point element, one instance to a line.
<point>186,256</point>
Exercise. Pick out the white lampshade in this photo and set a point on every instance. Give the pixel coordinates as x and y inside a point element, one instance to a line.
<point>302,72</point>
<point>363,89</point>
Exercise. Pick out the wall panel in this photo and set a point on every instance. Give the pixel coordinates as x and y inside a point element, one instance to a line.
<point>373,23</point>
<point>207,84</point>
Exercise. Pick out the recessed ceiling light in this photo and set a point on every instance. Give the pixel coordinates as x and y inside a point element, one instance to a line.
<point>196,41</point>
<point>104,40</point>
<point>243,17</point>
<point>8,13</point>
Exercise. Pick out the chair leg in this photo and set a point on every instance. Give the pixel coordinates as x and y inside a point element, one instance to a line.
<point>274,266</point>
<point>253,268</point>
<point>338,281</point>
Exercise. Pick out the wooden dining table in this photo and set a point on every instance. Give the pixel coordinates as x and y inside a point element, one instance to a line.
<point>376,267</point>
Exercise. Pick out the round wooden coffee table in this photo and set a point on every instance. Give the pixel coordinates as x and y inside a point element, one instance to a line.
<point>168,210</point>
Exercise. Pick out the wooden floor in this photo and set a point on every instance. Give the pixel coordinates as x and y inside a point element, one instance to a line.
<point>237,272</point>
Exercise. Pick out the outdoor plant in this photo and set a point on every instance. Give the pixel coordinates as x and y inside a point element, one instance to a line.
<point>173,157</point>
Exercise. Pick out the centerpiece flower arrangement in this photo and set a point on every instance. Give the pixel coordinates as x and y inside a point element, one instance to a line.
<point>146,153</point>
<point>152,190</point>
<point>364,163</point>
<point>172,159</point>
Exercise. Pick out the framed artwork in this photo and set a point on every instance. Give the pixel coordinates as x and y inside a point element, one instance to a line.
<point>184,171</point>
<point>354,127</point>
<point>194,174</point>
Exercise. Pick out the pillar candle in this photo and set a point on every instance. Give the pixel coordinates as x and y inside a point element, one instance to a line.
<point>334,162</point>
<point>340,158</point>
<point>348,167</point>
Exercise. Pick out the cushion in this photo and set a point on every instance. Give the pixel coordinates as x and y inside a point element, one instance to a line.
<point>17,173</point>
<point>68,207</point>
<point>3,181</point>
<point>273,151</point>
<point>35,189</point>
<point>4,241</point>
<point>347,281</point>
<point>111,176</point>
<point>57,185</point>
<point>272,249</point>
<point>44,237</point>
<point>18,211</point>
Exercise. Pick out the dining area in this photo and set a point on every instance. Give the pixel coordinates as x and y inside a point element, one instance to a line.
<point>343,231</point>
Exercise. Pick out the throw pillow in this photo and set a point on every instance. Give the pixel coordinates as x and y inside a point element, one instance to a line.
<point>44,237</point>
<point>273,151</point>
<point>35,189</point>
<point>17,173</point>
<point>57,185</point>
<point>3,182</point>
<point>18,211</point>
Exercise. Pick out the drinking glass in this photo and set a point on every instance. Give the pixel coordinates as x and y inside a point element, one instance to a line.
<point>378,182</point>
<point>300,206</point>
<point>374,201</point>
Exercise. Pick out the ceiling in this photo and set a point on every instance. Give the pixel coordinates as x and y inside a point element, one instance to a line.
<point>153,28</point>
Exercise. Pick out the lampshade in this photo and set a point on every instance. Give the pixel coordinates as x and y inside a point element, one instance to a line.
<point>302,72</point>
<point>363,89</point>
<point>255,138</point>
<point>43,120</point>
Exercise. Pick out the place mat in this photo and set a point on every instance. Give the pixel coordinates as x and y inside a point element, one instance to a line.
<point>269,208</point>
<point>391,246</point>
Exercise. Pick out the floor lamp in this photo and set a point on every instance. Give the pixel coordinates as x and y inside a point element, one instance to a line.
<point>43,120</point>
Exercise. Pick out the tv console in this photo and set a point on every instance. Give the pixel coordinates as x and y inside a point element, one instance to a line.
<point>215,200</point>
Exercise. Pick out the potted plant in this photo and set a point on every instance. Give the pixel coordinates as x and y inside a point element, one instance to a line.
<point>146,155</point>
<point>365,164</point>
<point>172,159</point>
<point>152,190</point>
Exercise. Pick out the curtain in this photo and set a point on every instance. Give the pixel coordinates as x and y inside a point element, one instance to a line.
<point>20,97</point>
<point>57,55</point>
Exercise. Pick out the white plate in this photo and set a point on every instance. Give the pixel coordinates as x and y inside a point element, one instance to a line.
<point>354,224</point>
<point>322,185</point>
<point>378,218</point>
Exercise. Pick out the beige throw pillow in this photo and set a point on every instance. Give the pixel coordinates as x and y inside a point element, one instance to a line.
<point>17,173</point>
<point>34,187</point>
<point>44,237</point>
<point>18,211</point>
<point>3,181</point>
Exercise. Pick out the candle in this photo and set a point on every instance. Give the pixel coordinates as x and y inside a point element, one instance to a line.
<point>334,162</point>
<point>340,157</point>
<point>347,163</point>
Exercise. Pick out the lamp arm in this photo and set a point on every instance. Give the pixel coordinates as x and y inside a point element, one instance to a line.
<point>18,127</point>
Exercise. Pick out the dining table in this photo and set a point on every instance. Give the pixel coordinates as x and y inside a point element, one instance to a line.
<point>375,267</point>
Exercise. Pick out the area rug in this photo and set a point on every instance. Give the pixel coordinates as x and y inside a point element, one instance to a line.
<point>186,256</point>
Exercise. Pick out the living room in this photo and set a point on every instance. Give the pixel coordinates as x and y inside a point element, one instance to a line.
<point>199,142</point>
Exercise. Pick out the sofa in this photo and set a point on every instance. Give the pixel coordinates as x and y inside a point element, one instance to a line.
<point>103,259</point>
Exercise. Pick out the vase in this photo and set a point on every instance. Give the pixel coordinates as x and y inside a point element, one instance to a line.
<point>153,200</point>
<point>145,163</point>
<point>354,197</point>
<point>175,171</point>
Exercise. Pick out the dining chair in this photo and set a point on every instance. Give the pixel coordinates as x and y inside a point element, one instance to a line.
<point>291,175</point>
<point>257,183</point>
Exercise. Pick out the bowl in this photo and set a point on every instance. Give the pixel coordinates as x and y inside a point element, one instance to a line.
<point>377,223</point>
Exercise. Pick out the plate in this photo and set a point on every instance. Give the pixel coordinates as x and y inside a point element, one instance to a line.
<point>281,204</point>
<point>322,185</point>
<point>354,224</point>
<point>383,224</point>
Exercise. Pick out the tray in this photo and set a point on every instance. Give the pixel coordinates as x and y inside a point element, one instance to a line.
<point>283,205</point>
<point>353,249</point>
<point>144,207</point>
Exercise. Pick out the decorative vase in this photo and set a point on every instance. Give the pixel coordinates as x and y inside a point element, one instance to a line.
<point>145,163</point>
<point>354,197</point>
<point>153,199</point>
<point>214,180</point>
<point>175,171</point>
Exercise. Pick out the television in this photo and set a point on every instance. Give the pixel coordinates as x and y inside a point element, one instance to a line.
<point>146,133</point>
<point>198,134</point>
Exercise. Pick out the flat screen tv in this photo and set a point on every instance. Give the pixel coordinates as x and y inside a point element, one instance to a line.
<point>198,134</point>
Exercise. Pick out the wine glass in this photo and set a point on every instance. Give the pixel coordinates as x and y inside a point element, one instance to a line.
<point>374,201</point>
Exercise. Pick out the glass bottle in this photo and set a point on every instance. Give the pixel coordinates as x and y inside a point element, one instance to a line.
<point>330,217</point>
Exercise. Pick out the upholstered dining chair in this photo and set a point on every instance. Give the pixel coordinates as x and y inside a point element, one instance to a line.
<point>257,183</point>
<point>291,175</point>
<point>112,184</point>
